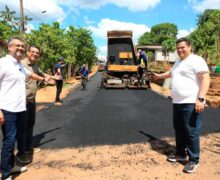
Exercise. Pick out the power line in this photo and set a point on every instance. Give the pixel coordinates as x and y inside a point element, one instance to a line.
<point>35,15</point>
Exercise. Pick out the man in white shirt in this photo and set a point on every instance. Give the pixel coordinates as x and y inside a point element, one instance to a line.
<point>189,85</point>
<point>12,102</point>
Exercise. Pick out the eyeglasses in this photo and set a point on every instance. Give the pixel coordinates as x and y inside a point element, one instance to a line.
<point>19,45</point>
<point>35,52</point>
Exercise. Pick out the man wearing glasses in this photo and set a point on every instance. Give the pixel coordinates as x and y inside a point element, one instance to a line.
<point>26,125</point>
<point>12,102</point>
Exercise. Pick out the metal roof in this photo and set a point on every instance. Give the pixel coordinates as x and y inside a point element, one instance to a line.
<point>150,46</point>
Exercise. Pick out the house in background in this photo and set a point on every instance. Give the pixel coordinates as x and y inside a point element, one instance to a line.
<point>158,53</point>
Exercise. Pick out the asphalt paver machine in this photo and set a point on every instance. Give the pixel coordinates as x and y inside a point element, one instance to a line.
<point>121,66</point>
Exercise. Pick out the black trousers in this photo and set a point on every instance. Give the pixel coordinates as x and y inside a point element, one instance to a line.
<point>59,85</point>
<point>140,73</point>
<point>84,83</point>
<point>26,128</point>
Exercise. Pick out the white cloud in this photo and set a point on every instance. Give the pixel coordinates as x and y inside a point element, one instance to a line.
<point>55,8</point>
<point>33,9</point>
<point>132,5</point>
<point>200,6</point>
<point>29,27</point>
<point>107,24</point>
<point>100,31</point>
<point>184,32</point>
<point>102,52</point>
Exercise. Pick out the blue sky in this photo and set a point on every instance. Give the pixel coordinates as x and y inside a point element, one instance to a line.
<point>102,15</point>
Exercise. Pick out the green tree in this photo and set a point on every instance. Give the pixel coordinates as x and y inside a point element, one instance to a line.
<point>70,51</point>
<point>145,39</point>
<point>169,45</point>
<point>26,20</point>
<point>5,33</point>
<point>52,42</point>
<point>75,45</point>
<point>216,19</point>
<point>8,17</point>
<point>207,35</point>
<point>85,49</point>
<point>158,34</point>
<point>163,31</point>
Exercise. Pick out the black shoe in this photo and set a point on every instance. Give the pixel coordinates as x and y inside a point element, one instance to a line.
<point>176,158</point>
<point>18,169</point>
<point>22,158</point>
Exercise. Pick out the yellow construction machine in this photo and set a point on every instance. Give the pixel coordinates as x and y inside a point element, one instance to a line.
<point>121,69</point>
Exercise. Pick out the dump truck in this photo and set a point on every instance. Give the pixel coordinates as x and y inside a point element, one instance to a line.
<point>121,69</point>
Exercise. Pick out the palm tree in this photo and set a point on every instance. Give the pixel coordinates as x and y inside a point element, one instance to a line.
<point>26,19</point>
<point>8,17</point>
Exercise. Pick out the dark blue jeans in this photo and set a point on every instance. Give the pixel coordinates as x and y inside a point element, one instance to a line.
<point>187,124</point>
<point>9,130</point>
<point>25,129</point>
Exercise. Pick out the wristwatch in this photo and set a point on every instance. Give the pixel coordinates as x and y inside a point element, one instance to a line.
<point>201,99</point>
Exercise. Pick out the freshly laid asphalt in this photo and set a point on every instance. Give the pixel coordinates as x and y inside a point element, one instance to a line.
<point>110,117</point>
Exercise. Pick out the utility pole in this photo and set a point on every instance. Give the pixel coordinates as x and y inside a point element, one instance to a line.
<point>22,17</point>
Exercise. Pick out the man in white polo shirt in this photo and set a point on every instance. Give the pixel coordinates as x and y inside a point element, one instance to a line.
<point>189,85</point>
<point>12,102</point>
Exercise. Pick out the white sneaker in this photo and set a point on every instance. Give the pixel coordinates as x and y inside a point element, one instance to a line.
<point>57,103</point>
<point>18,169</point>
<point>190,167</point>
<point>34,150</point>
<point>9,178</point>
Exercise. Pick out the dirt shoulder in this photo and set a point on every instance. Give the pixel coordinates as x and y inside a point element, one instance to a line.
<point>119,162</point>
<point>47,94</point>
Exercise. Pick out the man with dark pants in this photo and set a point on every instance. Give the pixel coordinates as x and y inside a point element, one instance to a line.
<point>189,84</point>
<point>58,71</point>
<point>12,102</point>
<point>26,125</point>
<point>84,77</point>
<point>142,67</point>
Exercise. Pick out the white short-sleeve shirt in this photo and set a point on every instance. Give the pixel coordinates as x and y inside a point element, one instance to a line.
<point>184,79</point>
<point>12,84</point>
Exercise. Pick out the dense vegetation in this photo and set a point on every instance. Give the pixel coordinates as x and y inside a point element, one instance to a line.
<point>205,38</point>
<point>75,45</point>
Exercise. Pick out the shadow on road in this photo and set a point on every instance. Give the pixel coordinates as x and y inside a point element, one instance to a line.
<point>158,145</point>
<point>37,138</point>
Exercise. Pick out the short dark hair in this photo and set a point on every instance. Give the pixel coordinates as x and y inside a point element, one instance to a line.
<point>34,46</point>
<point>184,39</point>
